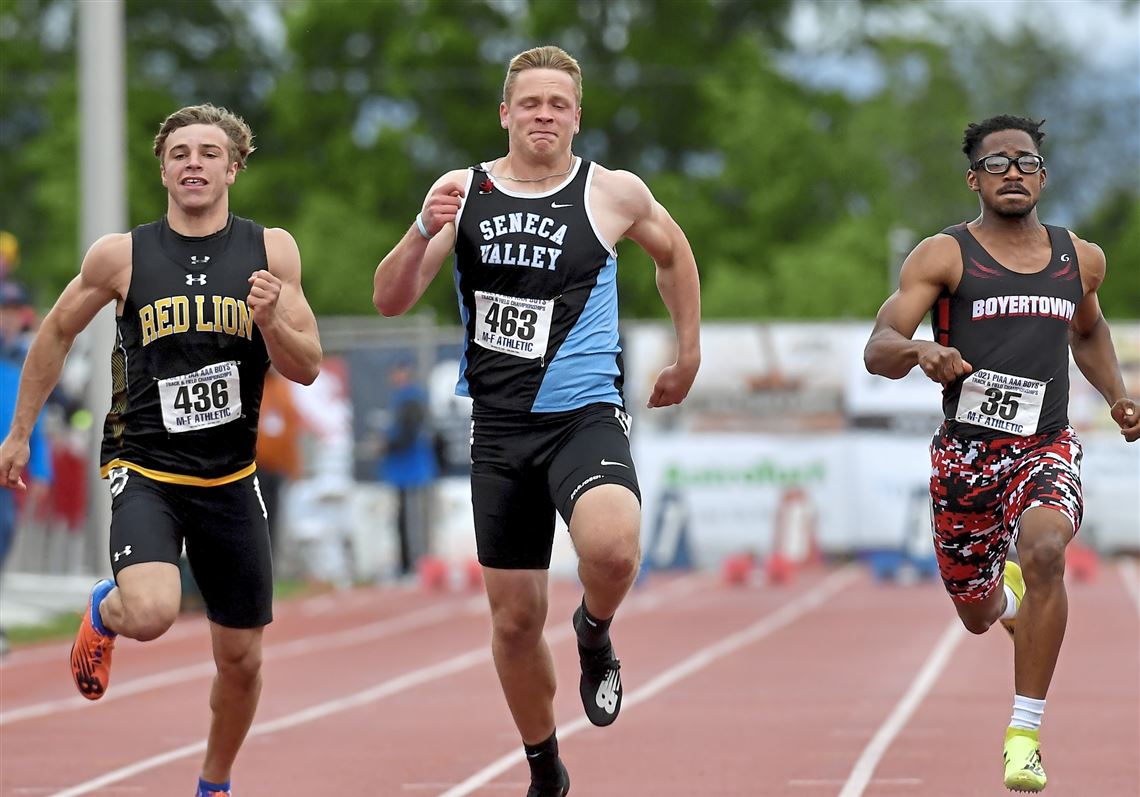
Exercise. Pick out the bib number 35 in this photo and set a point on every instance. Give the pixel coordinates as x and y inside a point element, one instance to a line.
<point>1010,404</point>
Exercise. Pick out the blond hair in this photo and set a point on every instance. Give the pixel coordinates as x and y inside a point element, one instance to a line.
<point>235,128</point>
<point>546,57</point>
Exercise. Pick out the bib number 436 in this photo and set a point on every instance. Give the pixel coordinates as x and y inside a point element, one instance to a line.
<point>208,397</point>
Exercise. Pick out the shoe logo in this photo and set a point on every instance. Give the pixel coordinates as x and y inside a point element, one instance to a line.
<point>196,280</point>
<point>558,205</point>
<point>125,552</point>
<point>608,692</point>
<point>611,462</point>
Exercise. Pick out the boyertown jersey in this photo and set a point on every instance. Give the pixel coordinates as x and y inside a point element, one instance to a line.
<point>1013,329</point>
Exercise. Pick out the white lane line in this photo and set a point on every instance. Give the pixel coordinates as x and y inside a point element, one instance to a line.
<point>1128,574</point>
<point>781,617</point>
<point>865,767</point>
<point>643,602</point>
<point>413,620</point>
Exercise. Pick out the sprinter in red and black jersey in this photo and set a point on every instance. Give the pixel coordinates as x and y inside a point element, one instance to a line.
<point>1009,298</point>
<point>204,302</point>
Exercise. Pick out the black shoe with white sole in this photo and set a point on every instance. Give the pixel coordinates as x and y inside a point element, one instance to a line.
<point>601,679</point>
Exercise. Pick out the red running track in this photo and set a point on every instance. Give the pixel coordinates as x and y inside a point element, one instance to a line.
<point>832,685</point>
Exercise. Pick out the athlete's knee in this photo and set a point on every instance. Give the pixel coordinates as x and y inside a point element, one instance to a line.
<point>1043,560</point>
<point>518,625</point>
<point>147,618</point>
<point>976,617</point>
<point>616,562</point>
<point>976,625</point>
<point>237,665</point>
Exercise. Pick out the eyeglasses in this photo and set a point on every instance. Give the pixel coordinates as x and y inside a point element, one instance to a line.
<point>999,164</point>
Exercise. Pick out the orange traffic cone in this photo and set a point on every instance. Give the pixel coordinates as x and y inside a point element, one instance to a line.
<point>736,569</point>
<point>432,572</point>
<point>1081,561</point>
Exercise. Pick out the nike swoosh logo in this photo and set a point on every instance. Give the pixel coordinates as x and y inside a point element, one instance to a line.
<point>533,755</point>
<point>610,462</point>
<point>556,205</point>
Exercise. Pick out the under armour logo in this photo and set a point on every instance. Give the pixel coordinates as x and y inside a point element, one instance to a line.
<point>200,279</point>
<point>195,260</point>
<point>125,552</point>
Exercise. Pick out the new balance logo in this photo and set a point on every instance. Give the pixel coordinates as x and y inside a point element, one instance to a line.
<point>195,260</point>
<point>608,692</point>
<point>200,279</point>
<point>125,552</point>
<point>558,205</point>
<point>611,462</point>
<point>118,477</point>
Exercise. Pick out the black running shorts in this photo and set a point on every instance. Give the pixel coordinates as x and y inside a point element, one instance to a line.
<point>524,466</point>
<point>226,537</point>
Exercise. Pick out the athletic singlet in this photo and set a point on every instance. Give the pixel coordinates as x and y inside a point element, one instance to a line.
<point>1013,329</point>
<point>537,289</point>
<point>189,363</point>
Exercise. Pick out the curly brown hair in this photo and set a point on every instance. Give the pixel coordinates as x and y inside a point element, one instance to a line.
<point>235,128</point>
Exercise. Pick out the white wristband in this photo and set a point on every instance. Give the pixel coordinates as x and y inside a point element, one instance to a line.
<point>420,226</point>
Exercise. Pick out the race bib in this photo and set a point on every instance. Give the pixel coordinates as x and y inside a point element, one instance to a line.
<point>210,396</point>
<point>1005,403</point>
<point>512,325</point>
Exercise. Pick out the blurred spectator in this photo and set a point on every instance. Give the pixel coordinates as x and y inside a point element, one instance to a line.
<point>278,448</point>
<point>409,462</point>
<point>17,320</point>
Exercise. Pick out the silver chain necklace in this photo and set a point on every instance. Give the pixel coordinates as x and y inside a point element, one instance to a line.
<point>491,172</point>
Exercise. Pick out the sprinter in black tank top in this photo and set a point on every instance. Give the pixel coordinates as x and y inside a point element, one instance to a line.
<point>1009,297</point>
<point>534,235</point>
<point>204,302</point>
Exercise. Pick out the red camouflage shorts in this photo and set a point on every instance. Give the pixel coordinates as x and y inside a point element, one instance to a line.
<point>980,488</point>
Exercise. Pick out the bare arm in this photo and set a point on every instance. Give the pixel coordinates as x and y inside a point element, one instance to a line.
<point>890,351</point>
<point>655,231</point>
<point>103,278</point>
<point>1091,342</point>
<point>282,313</point>
<point>406,271</point>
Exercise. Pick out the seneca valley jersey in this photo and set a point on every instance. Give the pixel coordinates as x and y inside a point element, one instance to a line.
<point>1013,328</point>
<point>537,289</point>
<point>189,363</point>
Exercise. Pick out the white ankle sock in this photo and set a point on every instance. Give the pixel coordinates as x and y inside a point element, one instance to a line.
<point>1011,605</point>
<point>1027,713</point>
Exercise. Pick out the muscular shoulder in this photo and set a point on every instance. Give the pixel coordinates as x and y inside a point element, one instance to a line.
<point>936,260</point>
<point>108,263</point>
<point>1091,259</point>
<point>282,253</point>
<point>453,176</point>
<point>623,191</point>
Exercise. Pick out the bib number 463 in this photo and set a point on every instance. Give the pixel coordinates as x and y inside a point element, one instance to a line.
<point>511,321</point>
